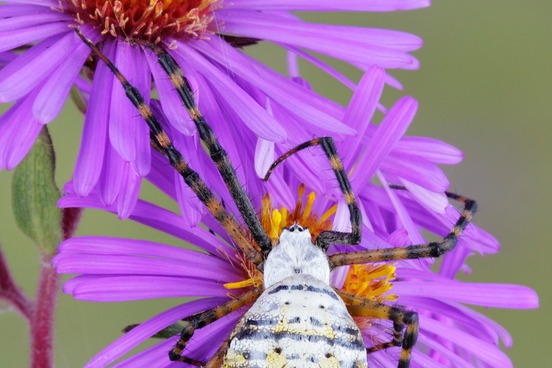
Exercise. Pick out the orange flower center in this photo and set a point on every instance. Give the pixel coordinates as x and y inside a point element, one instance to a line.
<point>274,220</point>
<point>148,20</point>
<point>371,281</point>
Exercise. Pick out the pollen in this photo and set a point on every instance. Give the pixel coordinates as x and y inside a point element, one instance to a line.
<point>274,220</point>
<point>147,20</point>
<point>253,277</point>
<point>371,281</point>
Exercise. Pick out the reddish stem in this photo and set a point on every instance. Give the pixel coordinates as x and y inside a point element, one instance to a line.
<point>42,322</point>
<point>10,292</point>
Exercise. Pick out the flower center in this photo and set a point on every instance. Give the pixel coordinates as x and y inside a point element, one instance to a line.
<point>274,220</point>
<point>371,281</point>
<point>149,20</point>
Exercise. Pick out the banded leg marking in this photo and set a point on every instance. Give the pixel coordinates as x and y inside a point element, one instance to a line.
<point>202,319</point>
<point>217,153</point>
<point>190,176</point>
<point>361,307</point>
<point>433,250</point>
<point>326,238</point>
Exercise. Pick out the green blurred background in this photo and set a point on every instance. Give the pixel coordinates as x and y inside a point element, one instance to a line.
<point>484,86</point>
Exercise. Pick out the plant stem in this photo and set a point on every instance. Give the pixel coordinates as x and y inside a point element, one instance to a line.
<point>42,322</point>
<point>10,292</point>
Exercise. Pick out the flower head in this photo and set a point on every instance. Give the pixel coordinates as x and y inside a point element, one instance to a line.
<point>201,35</point>
<point>451,334</point>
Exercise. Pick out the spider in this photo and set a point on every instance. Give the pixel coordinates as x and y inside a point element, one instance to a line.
<point>297,319</point>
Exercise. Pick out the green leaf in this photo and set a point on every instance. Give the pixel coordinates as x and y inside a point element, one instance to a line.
<point>35,195</point>
<point>167,332</point>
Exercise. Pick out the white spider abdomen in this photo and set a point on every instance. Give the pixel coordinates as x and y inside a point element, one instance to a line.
<point>299,322</point>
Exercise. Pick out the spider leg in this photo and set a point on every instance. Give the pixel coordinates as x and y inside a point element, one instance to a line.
<point>191,177</point>
<point>204,318</point>
<point>434,249</point>
<point>361,307</point>
<point>216,152</point>
<point>326,238</point>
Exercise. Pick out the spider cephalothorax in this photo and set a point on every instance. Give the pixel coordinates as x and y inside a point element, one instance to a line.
<point>295,254</point>
<point>276,332</point>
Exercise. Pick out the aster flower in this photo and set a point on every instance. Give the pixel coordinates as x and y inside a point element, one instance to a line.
<point>451,334</point>
<point>114,153</point>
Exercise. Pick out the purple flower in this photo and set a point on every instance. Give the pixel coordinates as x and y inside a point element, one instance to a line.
<point>114,153</point>
<point>451,334</point>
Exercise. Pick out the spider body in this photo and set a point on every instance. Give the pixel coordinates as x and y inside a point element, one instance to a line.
<point>275,334</point>
<point>299,320</point>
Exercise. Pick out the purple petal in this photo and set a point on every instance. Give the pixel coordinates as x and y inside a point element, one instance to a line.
<point>172,105</point>
<point>479,325</point>
<point>490,325</point>
<point>264,156</point>
<point>342,5</point>
<point>53,94</point>
<point>16,79</point>
<point>280,192</point>
<point>249,111</point>
<point>126,288</point>
<point>128,196</point>
<point>355,44</point>
<point>21,17</point>
<point>317,111</point>
<point>205,342</point>
<point>91,155</point>
<point>433,201</point>
<point>319,64</point>
<point>142,266</point>
<point>361,109</point>
<point>18,132</point>
<point>486,352</point>
<point>145,330</point>
<point>128,132</point>
<point>48,3</point>
<point>159,219</point>
<point>417,171</point>
<point>387,135</point>
<point>432,150</point>
<point>473,237</point>
<point>95,245</point>
<point>15,38</point>
<point>111,180</point>
<point>488,295</point>
<point>404,217</point>
<point>155,356</point>
<point>454,260</point>
<point>447,357</point>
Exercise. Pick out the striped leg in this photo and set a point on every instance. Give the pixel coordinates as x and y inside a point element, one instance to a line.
<point>202,319</point>
<point>326,238</point>
<point>361,307</point>
<point>191,177</point>
<point>434,249</point>
<point>217,153</point>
